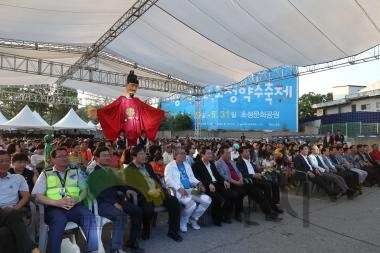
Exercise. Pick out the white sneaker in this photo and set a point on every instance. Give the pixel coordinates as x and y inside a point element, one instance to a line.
<point>183,228</point>
<point>194,224</point>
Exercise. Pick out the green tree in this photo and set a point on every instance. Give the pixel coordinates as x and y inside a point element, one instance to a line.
<point>58,111</point>
<point>83,112</point>
<point>306,101</point>
<point>178,122</point>
<point>15,100</point>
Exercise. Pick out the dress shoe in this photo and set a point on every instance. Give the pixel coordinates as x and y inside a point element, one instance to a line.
<point>226,220</point>
<point>175,236</point>
<point>145,235</point>
<point>350,194</point>
<point>217,223</point>
<point>238,218</point>
<point>277,209</point>
<point>272,217</point>
<point>333,197</point>
<point>340,194</point>
<point>133,247</point>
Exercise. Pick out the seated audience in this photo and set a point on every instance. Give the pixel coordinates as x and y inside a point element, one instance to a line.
<point>188,190</point>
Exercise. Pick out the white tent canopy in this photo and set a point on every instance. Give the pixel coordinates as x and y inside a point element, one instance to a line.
<point>3,119</point>
<point>92,125</point>
<point>203,42</point>
<point>71,121</point>
<point>25,119</point>
<point>38,116</point>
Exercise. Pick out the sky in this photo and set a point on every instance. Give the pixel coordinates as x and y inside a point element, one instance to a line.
<point>359,74</point>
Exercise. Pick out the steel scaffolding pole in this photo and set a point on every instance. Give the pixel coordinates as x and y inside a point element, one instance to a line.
<point>135,12</point>
<point>197,117</point>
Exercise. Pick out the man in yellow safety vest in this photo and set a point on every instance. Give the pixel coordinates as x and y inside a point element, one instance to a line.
<point>61,189</point>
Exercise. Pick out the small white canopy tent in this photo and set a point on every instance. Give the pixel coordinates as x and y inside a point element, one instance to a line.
<point>71,121</point>
<point>38,116</point>
<point>25,119</point>
<point>92,125</point>
<point>3,119</point>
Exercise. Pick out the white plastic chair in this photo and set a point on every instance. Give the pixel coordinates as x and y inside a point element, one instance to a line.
<point>44,228</point>
<point>100,222</point>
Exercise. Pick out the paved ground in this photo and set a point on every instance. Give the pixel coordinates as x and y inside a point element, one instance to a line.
<point>342,226</point>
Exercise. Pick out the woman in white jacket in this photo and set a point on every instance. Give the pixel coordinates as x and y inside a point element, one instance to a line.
<point>188,190</point>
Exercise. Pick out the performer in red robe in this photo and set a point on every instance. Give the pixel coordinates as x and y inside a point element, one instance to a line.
<point>131,114</point>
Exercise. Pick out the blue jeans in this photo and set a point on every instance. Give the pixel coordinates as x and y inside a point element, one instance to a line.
<point>120,219</point>
<point>57,219</point>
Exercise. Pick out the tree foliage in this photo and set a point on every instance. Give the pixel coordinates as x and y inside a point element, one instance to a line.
<point>306,101</point>
<point>178,122</point>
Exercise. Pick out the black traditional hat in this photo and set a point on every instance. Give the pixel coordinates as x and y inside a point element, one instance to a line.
<point>132,78</point>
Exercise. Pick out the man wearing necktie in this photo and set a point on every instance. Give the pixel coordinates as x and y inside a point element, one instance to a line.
<point>104,184</point>
<point>302,164</point>
<point>317,163</point>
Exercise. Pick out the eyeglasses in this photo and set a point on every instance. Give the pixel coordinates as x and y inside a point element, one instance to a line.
<point>62,156</point>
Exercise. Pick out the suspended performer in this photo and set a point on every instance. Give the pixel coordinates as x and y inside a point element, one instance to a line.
<point>130,114</point>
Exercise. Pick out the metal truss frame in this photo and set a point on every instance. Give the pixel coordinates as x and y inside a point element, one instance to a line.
<point>37,98</point>
<point>55,95</point>
<point>35,66</point>
<point>127,19</point>
<point>106,54</point>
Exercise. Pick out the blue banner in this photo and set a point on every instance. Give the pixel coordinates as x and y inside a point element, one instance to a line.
<point>262,101</point>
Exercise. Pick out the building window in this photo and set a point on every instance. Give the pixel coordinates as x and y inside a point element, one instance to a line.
<point>365,107</point>
<point>353,108</point>
<point>378,106</point>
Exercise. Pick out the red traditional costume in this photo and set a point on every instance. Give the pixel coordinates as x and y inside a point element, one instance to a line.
<point>132,115</point>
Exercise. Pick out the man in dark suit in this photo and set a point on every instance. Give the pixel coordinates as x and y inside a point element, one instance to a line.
<point>302,164</point>
<point>139,174</point>
<point>257,187</point>
<point>339,137</point>
<point>104,183</point>
<point>222,197</point>
<point>328,140</point>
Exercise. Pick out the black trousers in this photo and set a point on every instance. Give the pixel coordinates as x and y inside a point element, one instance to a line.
<point>238,201</point>
<point>174,210</point>
<point>324,183</point>
<point>373,175</point>
<point>351,178</point>
<point>222,202</point>
<point>257,193</point>
<point>271,190</point>
<point>12,226</point>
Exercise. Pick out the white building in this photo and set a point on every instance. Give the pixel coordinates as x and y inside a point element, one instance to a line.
<point>350,98</point>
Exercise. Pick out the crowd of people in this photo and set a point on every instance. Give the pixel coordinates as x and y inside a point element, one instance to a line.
<point>186,176</point>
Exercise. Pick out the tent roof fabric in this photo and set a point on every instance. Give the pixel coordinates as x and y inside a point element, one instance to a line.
<point>38,116</point>
<point>203,42</point>
<point>71,121</point>
<point>92,125</point>
<point>25,119</point>
<point>3,119</point>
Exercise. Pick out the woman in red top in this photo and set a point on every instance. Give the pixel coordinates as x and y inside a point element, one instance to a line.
<point>158,165</point>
